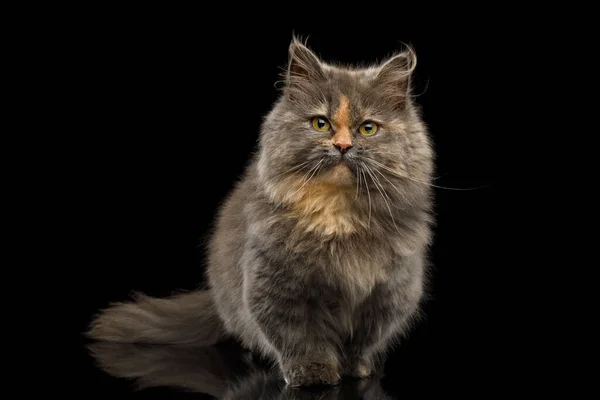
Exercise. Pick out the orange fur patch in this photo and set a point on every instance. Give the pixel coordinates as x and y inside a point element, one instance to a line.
<point>320,205</point>
<point>341,121</point>
<point>342,114</point>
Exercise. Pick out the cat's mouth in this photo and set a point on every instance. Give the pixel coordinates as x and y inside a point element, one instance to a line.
<point>342,165</point>
<point>345,163</point>
<point>340,172</point>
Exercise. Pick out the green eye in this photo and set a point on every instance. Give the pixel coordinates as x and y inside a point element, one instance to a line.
<point>321,124</point>
<point>368,128</point>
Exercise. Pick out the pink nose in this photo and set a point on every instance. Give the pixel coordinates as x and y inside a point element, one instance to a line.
<point>342,145</point>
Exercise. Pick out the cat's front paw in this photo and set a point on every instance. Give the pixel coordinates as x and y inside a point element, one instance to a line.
<point>312,373</point>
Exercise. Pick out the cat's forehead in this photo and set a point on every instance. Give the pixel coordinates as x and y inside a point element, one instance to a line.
<point>349,88</point>
<point>347,79</point>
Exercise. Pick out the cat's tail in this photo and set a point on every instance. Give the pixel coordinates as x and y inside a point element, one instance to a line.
<point>186,318</point>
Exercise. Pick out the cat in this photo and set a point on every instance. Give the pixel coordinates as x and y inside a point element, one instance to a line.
<point>318,259</point>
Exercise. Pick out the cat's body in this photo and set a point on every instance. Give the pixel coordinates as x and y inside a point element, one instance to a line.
<point>318,257</point>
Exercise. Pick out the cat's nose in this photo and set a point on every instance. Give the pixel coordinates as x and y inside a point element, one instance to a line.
<point>342,145</point>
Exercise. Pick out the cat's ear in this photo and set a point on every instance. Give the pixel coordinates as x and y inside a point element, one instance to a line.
<point>394,76</point>
<point>303,65</point>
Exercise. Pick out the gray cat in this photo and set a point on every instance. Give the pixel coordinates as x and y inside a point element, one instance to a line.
<point>318,258</point>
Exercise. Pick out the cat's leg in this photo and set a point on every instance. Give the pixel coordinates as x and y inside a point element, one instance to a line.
<point>295,321</point>
<point>382,317</point>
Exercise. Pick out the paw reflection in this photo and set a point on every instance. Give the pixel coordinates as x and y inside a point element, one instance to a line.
<point>224,372</point>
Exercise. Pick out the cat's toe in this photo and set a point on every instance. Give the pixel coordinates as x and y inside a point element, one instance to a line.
<point>312,373</point>
<point>360,369</point>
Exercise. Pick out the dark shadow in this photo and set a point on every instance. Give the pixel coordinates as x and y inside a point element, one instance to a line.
<point>223,372</point>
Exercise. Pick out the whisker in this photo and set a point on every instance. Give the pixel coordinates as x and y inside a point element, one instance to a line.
<point>368,192</point>
<point>319,166</point>
<point>417,180</point>
<point>312,172</point>
<point>384,195</point>
<point>377,182</point>
<point>357,186</point>
<point>298,167</point>
<point>390,182</point>
<point>394,153</point>
<point>306,176</point>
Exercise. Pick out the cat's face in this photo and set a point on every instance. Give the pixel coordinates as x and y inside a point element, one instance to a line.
<point>348,128</point>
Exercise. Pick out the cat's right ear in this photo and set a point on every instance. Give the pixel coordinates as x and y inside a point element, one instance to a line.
<point>303,65</point>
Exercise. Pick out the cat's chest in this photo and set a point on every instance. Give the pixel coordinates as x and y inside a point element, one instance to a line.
<point>323,209</point>
<point>353,266</point>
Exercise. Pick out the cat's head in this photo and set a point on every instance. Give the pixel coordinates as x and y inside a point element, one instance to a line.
<point>345,129</point>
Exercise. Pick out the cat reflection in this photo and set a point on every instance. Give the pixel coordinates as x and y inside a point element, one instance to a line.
<point>223,372</point>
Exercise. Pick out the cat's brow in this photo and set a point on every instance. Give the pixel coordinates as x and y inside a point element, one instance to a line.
<point>319,109</point>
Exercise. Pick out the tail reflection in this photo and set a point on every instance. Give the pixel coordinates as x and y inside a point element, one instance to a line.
<point>224,372</point>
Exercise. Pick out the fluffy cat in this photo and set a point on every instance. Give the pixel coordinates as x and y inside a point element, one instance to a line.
<point>318,258</point>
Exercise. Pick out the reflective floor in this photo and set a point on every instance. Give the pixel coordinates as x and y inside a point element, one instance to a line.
<point>220,372</point>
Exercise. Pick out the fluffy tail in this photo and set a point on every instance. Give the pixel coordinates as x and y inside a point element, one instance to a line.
<point>187,318</point>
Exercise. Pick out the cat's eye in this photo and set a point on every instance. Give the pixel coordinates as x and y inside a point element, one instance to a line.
<point>368,128</point>
<point>321,124</point>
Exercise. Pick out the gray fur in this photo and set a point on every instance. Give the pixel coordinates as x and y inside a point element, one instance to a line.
<point>317,267</point>
<point>186,318</point>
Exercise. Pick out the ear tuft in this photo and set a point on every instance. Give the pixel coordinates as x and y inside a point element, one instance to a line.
<point>303,63</point>
<point>395,73</point>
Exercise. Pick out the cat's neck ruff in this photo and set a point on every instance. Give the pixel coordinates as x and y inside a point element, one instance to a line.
<point>325,206</point>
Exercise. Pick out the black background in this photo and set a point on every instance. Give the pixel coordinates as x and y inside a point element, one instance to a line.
<point>168,109</point>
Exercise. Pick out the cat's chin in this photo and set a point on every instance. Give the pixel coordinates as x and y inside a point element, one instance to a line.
<point>338,174</point>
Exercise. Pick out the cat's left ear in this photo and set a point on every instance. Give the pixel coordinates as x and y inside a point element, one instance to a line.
<point>303,64</point>
<point>394,76</point>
